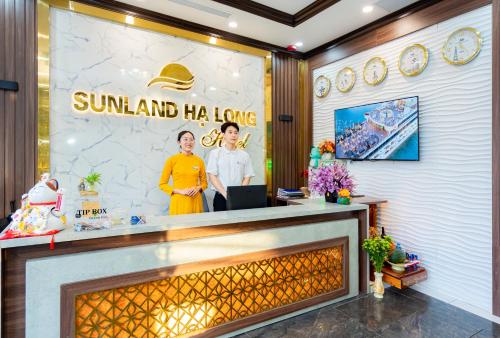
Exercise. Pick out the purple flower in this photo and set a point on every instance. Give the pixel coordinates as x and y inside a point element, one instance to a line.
<point>330,178</point>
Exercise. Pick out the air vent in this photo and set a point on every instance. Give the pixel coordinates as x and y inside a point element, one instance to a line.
<point>202,8</point>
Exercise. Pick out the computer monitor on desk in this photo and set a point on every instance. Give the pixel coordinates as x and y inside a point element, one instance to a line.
<point>246,197</point>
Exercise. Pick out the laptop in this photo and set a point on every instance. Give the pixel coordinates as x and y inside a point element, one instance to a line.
<point>246,197</point>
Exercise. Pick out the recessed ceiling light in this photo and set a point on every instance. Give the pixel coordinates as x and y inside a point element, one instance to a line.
<point>193,95</point>
<point>212,88</point>
<point>232,24</point>
<point>129,19</point>
<point>71,141</point>
<point>299,44</point>
<point>212,40</point>
<point>236,74</point>
<point>367,9</point>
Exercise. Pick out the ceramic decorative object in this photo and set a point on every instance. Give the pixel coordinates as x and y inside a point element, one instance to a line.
<point>378,287</point>
<point>315,157</point>
<point>42,211</point>
<point>327,156</point>
<point>344,197</point>
<point>331,197</point>
<point>398,267</point>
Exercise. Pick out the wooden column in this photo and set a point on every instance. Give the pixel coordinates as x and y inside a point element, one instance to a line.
<point>17,108</point>
<point>286,171</point>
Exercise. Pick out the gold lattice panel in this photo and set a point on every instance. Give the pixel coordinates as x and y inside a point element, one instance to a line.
<point>196,301</point>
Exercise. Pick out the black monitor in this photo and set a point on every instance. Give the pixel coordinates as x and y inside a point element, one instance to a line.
<point>246,197</point>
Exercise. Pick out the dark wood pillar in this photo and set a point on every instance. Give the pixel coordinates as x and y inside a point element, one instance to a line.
<point>18,126</point>
<point>286,128</point>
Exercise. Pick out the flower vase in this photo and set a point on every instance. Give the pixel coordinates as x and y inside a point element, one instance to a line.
<point>327,156</point>
<point>378,287</point>
<point>331,197</point>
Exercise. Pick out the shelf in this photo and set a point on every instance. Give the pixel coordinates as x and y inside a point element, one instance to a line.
<point>405,279</point>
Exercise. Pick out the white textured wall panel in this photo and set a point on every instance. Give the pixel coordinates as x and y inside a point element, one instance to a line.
<point>439,207</point>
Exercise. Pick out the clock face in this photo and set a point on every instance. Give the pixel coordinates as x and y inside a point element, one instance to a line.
<point>375,71</point>
<point>462,46</point>
<point>413,60</point>
<point>321,86</point>
<point>345,79</point>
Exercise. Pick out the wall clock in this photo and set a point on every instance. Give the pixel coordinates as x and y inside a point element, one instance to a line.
<point>375,71</point>
<point>413,60</point>
<point>462,46</point>
<point>345,79</point>
<point>321,86</point>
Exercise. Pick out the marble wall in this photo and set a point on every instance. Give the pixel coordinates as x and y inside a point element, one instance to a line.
<point>440,206</point>
<point>99,56</point>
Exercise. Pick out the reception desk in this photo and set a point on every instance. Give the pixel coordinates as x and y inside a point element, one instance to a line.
<point>209,274</point>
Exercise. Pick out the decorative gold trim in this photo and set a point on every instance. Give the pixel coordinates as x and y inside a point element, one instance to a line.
<point>422,67</point>
<point>383,75</point>
<point>43,57</point>
<point>43,19</point>
<point>476,52</point>
<point>353,76</point>
<point>327,89</point>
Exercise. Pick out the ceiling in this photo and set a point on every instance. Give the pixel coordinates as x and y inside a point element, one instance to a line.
<point>333,22</point>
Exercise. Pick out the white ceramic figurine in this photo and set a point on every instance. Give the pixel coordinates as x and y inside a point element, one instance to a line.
<point>41,210</point>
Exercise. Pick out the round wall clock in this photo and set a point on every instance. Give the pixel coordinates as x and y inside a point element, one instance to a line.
<point>345,79</point>
<point>321,86</point>
<point>413,60</point>
<point>375,71</point>
<point>462,46</point>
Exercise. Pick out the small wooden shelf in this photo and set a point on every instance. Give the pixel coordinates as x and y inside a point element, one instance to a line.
<point>405,279</point>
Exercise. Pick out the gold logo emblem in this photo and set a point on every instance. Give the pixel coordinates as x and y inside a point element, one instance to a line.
<point>174,76</point>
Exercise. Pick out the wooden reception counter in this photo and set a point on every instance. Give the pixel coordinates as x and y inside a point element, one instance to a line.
<point>208,274</point>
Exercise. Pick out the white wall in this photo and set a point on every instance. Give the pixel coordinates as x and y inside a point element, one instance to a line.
<point>100,56</point>
<point>439,207</point>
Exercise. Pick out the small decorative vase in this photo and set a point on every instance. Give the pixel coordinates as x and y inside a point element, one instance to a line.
<point>378,288</point>
<point>331,197</point>
<point>344,200</point>
<point>327,156</point>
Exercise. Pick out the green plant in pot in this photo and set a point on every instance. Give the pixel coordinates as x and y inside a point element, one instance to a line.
<point>92,179</point>
<point>378,248</point>
<point>397,260</point>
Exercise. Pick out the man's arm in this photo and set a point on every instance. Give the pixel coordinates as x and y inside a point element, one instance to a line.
<point>249,173</point>
<point>214,179</point>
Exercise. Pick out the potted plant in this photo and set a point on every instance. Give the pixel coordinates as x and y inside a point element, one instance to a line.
<point>92,179</point>
<point>327,150</point>
<point>329,180</point>
<point>378,248</point>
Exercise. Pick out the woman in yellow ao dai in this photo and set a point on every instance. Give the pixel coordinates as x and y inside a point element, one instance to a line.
<point>189,178</point>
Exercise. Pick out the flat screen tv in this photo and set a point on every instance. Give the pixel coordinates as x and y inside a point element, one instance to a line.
<point>378,131</point>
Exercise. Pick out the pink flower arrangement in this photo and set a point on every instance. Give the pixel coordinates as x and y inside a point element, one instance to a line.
<point>332,178</point>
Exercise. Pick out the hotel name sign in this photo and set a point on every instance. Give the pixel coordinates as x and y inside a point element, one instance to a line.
<point>173,77</point>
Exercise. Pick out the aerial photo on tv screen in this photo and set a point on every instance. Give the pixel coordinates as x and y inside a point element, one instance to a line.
<point>378,131</point>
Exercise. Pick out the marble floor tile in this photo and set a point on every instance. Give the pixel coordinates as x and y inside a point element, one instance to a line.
<point>406,313</point>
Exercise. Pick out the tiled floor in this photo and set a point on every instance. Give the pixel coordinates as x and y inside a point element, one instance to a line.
<point>400,314</point>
